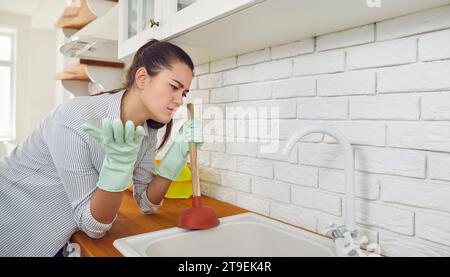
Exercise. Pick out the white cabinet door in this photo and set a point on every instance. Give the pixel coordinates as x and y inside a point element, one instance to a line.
<point>142,20</point>
<point>181,16</point>
<point>139,22</point>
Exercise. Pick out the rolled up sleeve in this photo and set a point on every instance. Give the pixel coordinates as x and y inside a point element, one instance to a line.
<point>71,155</point>
<point>142,176</point>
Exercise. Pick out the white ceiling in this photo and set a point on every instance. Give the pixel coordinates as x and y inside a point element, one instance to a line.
<point>22,7</point>
<point>43,13</point>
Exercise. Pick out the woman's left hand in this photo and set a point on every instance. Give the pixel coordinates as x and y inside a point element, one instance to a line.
<point>173,162</point>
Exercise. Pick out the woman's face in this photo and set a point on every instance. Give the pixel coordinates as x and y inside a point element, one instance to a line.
<point>163,94</point>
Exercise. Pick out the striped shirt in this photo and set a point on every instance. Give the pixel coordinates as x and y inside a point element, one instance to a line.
<point>47,182</point>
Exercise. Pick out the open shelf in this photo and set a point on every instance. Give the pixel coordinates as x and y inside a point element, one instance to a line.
<point>96,41</point>
<point>80,13</point>
<point>85,77</point>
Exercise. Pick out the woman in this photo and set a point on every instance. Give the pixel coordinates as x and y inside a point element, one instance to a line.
<point>68,175</point>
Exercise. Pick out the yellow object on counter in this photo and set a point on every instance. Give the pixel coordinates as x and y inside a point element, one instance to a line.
<point>182,187</point>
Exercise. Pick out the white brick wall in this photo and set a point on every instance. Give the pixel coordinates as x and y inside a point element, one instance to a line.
<point>429,136</point>
<point>265,147</point>
<point>328,108</point>
<point>416,193</point>
<point>209,175</point>
<point>416,23</point>
<point>223,161</point>
<point>385,86</point>
<point>257,167</point>
<point>286,127</point>
<point>213,146</point>
<point>415,77</point>
<point>292,49</point>
<point>274,190</point>
<point>401,246</point>
<point>265,109</point>
<point>201,69</point>
<point>222,65</point>
<point>355,36</point>
<point>363,133</point>
<point>296,174</point>
<point>435,106</point>
<point>253,203</point>
<point>203,95</point>
<point>381,54</point>
<point>349,83</point>
<point>322,155</point>
<point>385,107</point>
<point>279,69</point>
<point>222,193</point>
<point>236,181</point>
<point>245,148</point>
<point>319,63</point>
<point>390,161</point>
<point>433,227</point>
<point>223,95</point>
<point>439,166</point>
<point>434,46</point>
<point>383,216</point>
<point>255,91</point>
<point>213,80</point>
<point>238,75</point>
<point>317,200</point>
<point>296,87</point>
<point>294,215</point>
<point>254,57</point>
<point>203,158</point>
<point>366,186</point>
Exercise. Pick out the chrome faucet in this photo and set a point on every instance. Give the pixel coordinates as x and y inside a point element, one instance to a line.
<point>344,236</point>
<point>349,166</point>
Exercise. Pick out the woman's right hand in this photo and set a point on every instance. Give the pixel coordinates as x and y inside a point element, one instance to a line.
<point>121,145</point>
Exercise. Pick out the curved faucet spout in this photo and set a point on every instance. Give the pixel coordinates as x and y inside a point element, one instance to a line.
<point>349,165</point>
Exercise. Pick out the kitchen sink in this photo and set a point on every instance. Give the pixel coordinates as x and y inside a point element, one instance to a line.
<point>243,235</point>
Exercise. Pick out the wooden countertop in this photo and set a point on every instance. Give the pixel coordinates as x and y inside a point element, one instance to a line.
<point>131,221</point>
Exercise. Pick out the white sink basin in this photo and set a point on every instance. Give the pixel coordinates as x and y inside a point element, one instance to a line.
<point>243,235</point>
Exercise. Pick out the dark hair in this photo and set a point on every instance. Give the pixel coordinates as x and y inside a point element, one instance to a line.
<point>155,56</point>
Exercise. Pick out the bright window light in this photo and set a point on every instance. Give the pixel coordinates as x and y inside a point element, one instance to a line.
<point>7,104</point>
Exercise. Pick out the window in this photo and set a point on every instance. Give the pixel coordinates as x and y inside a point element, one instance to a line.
<point>7,95</point>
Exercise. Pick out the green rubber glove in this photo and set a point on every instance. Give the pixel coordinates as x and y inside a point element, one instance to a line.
<point>121,146</point>
<point>173,162</point>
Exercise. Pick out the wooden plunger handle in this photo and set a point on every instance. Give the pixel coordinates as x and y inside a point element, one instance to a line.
<point>193,156</point>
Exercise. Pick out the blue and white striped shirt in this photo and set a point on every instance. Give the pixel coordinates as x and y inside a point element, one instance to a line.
<point>47,182</point>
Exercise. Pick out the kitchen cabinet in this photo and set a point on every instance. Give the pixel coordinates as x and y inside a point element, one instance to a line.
<point>210,30</point>
<point>142,20</point>
<point>277,22</point>
<point>138,22</point>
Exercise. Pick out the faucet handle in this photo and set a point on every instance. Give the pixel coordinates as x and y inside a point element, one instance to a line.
<point>329,228</point>
<point>334,231</point>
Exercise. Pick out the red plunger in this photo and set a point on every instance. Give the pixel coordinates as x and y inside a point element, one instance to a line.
<point>198,217</point>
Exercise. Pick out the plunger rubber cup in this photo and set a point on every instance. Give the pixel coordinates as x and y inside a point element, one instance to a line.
<point>198,217</point>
